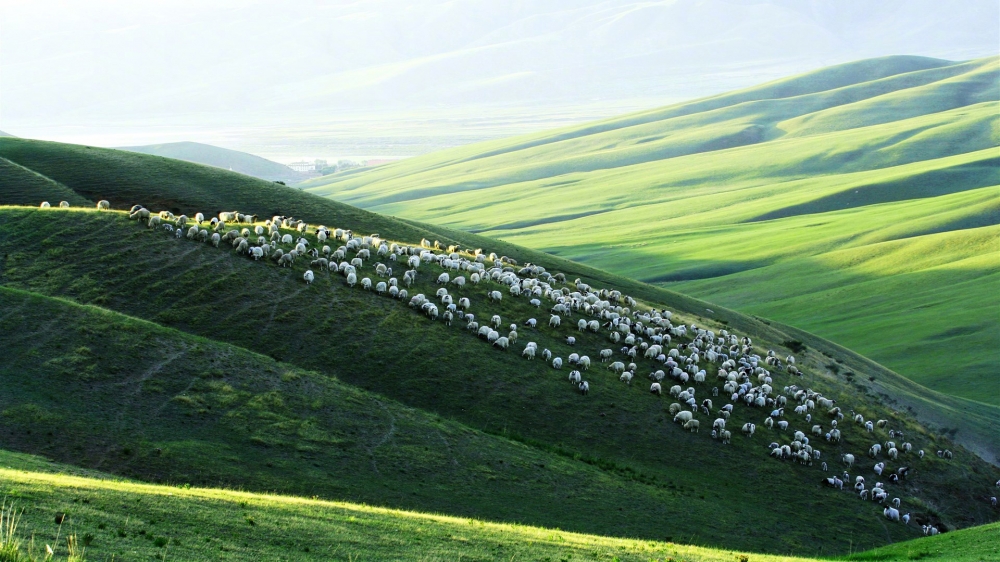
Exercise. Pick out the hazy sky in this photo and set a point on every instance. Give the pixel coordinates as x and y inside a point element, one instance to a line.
<point>288,79</point>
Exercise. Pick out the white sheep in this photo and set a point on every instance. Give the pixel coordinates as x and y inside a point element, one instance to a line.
<point>554,321</point>
<point>308,276</point>
<point>103,205</point>
<point>655,388</point>
<point>584,387</point>
<point>557,363</point>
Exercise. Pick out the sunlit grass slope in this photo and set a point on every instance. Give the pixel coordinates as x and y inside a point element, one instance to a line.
<point>183,523</point>
<point>187,523</point>
<point>764,200</point>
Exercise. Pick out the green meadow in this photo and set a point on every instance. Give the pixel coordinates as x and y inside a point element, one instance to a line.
<point>858,202</point>
<point>168,361</point>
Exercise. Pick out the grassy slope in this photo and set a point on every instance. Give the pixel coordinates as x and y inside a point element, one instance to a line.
<point>131,397</point>
<point>220,158</point>
<point>229,299</point>
<point>746,198</point>
<point>162,183</point>
<point>202,523</point>
<point>374,343</point>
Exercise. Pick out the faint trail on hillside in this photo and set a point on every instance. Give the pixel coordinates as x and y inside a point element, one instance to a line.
<point>277,305</point>
<point>451,455</point>
<point>385,438</point>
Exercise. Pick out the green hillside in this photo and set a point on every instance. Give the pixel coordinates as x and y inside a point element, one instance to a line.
<point>289,359</point>
<point>852,200</point>
<point>224,158</point>
<point>201,523</point>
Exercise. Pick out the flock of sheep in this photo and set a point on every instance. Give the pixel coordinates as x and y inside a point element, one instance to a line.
<point>742,377</point>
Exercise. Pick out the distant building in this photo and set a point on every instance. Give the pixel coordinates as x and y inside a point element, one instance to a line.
<point>320,164</point>
<point>302,166</point>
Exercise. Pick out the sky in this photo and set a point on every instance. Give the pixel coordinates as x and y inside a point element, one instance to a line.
<point>329,78</point>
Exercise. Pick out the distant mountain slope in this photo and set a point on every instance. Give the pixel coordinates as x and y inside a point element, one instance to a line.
<point>3,134</point>
<point>221,158</point>
<point>773,199</point>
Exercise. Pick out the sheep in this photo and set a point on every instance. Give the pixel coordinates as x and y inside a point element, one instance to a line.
<point>891,513</point>
<point>574,376</point>
<point>749,429</point>
<point>654,388</point>
<point>848,459</point>
<point>308,276</point>
<point>683,416</point>
<point>352,279</point>
<point>584,387</point>
<point>554,321</point>
<point>584,362</point>
<point>626,378</point>
<point>366,283</point>
<point>726,437</point>
<point>502,343</point>
<point>606,355</point>
<point>103,205</point>
<point>692,425</point>
<point>557,363</point>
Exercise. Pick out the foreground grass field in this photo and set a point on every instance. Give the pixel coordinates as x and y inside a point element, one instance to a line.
<point>126,520</point>
<point>855,200</point>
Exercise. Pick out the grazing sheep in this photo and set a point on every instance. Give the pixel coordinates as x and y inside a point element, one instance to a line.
<point>557,363</point>
<point>103,205</point>
<point>848,459</point>
<point>749,429</point>
<point>654,388</point>
<point>626,378</point>
<point>554,321</point>
<point>584,387</point>
<point>308,276</point>
<point>692,425</point>
<point>683,416</point>
<point>891,513</point>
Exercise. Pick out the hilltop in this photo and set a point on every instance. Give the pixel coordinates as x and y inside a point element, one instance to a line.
<point>854,200</point>
<point>224,158</point>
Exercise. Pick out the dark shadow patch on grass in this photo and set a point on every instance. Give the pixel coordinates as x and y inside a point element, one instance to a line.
<point>964,177</point>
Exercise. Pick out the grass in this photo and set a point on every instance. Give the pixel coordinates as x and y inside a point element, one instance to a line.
<point>801,200</point>
<point>192,523</point>
<point>160,310</point>
<point>455,427</point>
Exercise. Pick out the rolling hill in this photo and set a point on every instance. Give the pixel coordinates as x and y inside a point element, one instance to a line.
<point>858,202</point>
<point>213,369</point>
<point>224,158</point>
<point>201,523</point>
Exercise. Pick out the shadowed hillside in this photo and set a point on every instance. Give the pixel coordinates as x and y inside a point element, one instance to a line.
<point>802,200</point>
